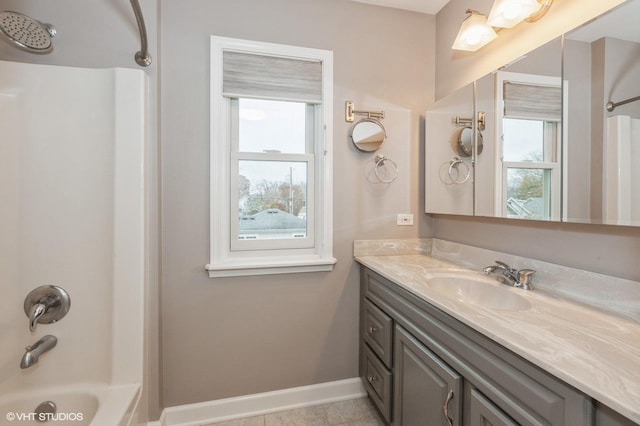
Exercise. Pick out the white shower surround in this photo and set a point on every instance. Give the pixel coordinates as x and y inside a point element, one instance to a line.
<point>621,158</point>
<point>72,213</point>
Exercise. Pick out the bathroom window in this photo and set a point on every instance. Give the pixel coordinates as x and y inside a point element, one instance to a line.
<point>272,163</point>
<point>529,119</point>
<point>270,158</point>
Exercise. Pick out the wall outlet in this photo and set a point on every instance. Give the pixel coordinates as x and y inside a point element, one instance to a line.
<point>404,219</point>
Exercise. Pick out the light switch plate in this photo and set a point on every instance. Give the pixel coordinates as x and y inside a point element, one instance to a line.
<point>404,219</point>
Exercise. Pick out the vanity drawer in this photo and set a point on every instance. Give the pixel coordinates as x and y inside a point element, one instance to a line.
<point>378,382</point>
<point>378,332</point>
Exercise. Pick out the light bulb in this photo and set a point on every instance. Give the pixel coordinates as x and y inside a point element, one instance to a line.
<point>473,36</point>
<point>508,13</point>
<point>474,33</point>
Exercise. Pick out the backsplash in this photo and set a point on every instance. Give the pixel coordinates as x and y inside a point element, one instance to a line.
<point>392,247</point>
<point>615,295</point>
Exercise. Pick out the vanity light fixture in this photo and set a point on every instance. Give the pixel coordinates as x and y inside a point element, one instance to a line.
<point>474,32</point>
<point>509,13</point>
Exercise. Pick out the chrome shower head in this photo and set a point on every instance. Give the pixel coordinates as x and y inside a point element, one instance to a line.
<point>26,33</point>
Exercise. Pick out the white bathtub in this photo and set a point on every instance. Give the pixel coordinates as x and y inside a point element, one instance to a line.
<point>79,405</point>
<point>72,184</point>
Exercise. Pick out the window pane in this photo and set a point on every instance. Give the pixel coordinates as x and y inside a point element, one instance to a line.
<point>528,193</point>
<point>523,140</point>
<point>272,200</point>
<point>271,126</point>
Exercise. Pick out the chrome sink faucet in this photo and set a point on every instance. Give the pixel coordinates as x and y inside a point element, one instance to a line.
<point>34,351</point>
<point>511,276</point>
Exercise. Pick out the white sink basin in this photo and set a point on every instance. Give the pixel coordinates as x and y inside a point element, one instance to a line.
<point>479,292</point>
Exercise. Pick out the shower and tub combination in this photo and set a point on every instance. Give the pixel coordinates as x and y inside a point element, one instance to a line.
<point>72,245</point>
<point>621,200</point>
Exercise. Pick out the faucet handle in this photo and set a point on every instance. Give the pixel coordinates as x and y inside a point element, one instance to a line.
<point>525,278</point>
<point>504,265</point>
<point>35,313</point>
<point>46,304</point>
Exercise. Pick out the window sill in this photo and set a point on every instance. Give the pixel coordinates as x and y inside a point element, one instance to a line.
<point>247,267</point>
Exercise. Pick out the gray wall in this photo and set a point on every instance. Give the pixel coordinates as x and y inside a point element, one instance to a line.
<point>237,336</point>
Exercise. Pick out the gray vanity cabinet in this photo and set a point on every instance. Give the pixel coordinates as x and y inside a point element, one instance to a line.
<point>427,391</point>
<point>420,366</point>
<point>482,412</point>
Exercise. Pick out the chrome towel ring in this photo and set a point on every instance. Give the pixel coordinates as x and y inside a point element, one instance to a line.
<point>454,176</point>
<point>380,169</point>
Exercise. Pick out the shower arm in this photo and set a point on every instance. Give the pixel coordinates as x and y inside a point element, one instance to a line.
<point>612,105</point>
<point>143,58</point>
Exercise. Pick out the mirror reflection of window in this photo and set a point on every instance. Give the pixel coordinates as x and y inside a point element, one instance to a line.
<point>529,155</point>
<point>530,141</point>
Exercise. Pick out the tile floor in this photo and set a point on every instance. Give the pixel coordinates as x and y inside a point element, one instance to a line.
<point>353,412</point>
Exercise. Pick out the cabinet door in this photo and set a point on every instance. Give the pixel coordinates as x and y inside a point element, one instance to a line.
<point>427,392</point>
<point>378,331</point>
<point>483,412</point>
<point>378,383</point>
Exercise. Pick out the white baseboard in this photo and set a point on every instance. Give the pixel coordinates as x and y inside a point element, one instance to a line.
<point>260,403</point>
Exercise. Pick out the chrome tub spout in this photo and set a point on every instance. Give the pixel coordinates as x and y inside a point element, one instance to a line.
<point>34,351</point>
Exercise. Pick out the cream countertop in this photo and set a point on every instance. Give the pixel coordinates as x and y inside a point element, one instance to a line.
<point>596,352</point>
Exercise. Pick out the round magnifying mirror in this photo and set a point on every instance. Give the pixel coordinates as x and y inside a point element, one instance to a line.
<point>463,141</point>
<point>368,135</point>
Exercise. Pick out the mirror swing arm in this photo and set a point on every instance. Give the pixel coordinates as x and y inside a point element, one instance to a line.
<point>469,121</point>
<point>350,112</point>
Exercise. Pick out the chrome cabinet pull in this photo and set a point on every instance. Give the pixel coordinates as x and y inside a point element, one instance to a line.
<point>372,379</point>
<point>445,408</point>
<point>372,330</point>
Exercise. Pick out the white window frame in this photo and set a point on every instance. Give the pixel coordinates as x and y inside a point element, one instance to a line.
<point>269,259</point>
<point>501,171</point>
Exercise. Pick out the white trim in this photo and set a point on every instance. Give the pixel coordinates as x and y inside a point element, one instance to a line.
<point>224,261</point>
<point>565,152</point>
<point>261,403</point>
<point>252,267</point>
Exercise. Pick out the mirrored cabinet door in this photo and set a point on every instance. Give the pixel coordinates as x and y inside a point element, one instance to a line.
<point>449,143</point>
<point>519,173</point>
<point>602,145</point>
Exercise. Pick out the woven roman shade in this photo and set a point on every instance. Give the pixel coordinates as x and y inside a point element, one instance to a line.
<point>532,102</point>
<point>247,75</point>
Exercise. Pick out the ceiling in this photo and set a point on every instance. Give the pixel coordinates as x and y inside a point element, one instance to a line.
<point>425,6</point>
<point>621,23</point>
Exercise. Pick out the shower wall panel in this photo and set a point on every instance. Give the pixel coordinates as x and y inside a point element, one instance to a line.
<point>65,134</point>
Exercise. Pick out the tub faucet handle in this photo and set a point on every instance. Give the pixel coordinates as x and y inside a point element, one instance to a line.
<point>36,312</point>
<point>46,304</point>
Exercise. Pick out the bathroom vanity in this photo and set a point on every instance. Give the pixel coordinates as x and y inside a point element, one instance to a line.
<point>441,344</point>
